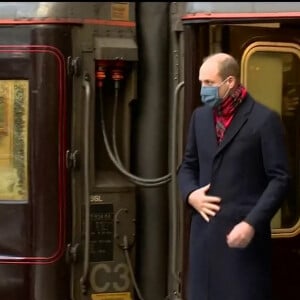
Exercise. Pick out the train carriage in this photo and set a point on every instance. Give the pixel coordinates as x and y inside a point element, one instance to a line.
<point>95,99</point>
<point>264,39</point>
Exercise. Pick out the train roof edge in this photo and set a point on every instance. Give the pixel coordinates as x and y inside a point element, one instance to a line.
<point>241,7</point>
<point>117,11</point>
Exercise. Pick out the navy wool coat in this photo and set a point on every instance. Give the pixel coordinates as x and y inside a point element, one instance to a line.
<point>249,171</point>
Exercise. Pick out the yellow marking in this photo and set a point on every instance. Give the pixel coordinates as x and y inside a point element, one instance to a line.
<point>120,11</point>
<point>112,296</point>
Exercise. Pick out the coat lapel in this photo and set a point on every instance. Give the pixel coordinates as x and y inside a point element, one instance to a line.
<point>237,122</point>
<point>209,132</point>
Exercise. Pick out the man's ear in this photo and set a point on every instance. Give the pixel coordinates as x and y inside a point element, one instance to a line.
<point>231,81</point>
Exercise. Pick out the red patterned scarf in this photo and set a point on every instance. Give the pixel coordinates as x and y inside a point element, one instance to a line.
<point>223,114</point>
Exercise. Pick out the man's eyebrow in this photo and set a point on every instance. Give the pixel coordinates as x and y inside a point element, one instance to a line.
<point>206,81</point>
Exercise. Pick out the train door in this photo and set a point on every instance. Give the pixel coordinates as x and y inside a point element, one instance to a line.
<point>270,64</point>
<point>33,142</point>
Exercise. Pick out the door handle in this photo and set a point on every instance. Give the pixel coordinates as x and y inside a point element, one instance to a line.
<point>86,182</point>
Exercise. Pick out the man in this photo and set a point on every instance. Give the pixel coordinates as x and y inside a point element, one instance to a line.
<point>233,177</point>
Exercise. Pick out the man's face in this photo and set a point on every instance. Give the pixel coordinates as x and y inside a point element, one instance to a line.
<point>209,76</point>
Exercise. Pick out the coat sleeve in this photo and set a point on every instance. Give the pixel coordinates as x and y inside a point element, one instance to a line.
<point>188,173</point>
<point>275,159</point>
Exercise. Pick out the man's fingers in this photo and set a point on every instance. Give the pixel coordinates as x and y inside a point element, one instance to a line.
<point>209,211</point>
<point>204,216</point>
<point>212,206</point>
<point>212,199</point>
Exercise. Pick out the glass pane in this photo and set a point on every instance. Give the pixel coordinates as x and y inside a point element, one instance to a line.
<point>272,77</point>
<point>13,139</point>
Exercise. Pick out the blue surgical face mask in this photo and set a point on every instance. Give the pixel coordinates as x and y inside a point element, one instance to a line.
<point>210,94</point>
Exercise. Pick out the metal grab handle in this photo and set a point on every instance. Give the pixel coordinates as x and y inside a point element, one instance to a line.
<point>174,280</point>
<point>87,98</point>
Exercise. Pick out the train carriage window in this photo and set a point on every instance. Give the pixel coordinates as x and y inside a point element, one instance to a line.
<point>13,139</point>
<point>271,73</point>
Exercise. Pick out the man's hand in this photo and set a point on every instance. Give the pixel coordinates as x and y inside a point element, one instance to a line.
<point>206,205</point>
<point>240,236</point>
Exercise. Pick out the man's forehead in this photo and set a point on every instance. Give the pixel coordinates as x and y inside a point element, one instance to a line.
<point>209,71</point>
